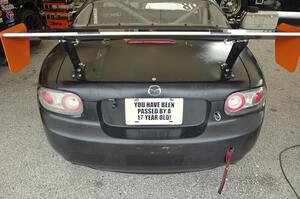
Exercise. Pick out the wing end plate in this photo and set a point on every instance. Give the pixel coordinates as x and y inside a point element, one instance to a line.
<point>17,50</point>
<point>287,48</point>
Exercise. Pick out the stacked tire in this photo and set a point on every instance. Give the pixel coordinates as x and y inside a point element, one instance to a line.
<point>233,7</point>
<point>32,21</point>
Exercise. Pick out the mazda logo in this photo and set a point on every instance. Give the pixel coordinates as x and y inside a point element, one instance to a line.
<point>154,90</point>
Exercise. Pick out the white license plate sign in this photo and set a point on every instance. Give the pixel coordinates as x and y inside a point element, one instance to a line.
<point>153,111</point>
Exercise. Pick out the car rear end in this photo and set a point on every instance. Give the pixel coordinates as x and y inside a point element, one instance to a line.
<point>151,108</point>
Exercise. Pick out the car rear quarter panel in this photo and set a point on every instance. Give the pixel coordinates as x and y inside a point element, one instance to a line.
<point>51,66</point>
<point>256,76</point>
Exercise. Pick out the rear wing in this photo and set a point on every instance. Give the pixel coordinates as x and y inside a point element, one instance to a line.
<point>15,41</point>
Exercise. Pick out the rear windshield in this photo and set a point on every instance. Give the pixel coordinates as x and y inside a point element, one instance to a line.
<point>150,13</point>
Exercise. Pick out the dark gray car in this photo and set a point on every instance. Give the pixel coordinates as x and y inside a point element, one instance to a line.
<point>151,105</point>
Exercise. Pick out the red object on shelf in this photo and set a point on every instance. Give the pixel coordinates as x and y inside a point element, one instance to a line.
<point>57,12</point>
<point>54,3</point>
<point>58,23</point>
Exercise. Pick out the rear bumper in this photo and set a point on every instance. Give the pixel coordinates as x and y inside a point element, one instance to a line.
<point>85,143</point>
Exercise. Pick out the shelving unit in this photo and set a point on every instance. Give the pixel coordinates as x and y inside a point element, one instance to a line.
<point>58,14</point>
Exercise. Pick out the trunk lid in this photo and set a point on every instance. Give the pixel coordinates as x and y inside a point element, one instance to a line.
<point>184,61</point>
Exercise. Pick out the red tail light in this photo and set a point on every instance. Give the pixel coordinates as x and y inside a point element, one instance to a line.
<point>46,96</point>
<point>245,100</point>
<point>258,98</point>
<point>235,102</point>
<point>151,41</point>
<point>71,102</point>
<point>60,102</point>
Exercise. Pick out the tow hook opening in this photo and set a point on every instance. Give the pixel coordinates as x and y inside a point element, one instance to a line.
<point>218,116</point>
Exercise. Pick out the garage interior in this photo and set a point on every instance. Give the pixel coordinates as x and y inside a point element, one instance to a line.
<point>30,168</point>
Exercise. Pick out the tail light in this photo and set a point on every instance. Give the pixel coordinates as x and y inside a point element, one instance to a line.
<point>245,101</point>
<point>60,102</point>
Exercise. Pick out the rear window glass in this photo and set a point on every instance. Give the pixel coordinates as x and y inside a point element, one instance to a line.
<point>151,12</point>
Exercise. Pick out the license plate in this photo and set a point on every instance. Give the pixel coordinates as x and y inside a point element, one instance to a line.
<point>153,111</point>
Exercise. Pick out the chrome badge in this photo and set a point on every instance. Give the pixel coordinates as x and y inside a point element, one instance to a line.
<point>154,90</point>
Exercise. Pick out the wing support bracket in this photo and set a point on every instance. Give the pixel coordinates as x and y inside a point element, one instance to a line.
<point>226,68</point>
<point>79,67</point>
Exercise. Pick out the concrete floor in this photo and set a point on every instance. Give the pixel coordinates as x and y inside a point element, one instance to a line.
<point>30,168</point>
